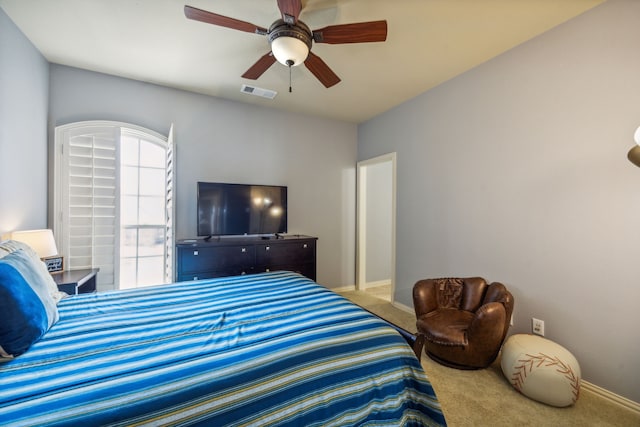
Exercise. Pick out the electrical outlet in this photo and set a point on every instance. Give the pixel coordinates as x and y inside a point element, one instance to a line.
<point>537,326</point>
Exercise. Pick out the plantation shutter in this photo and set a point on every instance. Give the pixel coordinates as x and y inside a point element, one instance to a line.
<point>87,227</point>
<point>92,224</point>
<point>170,232</point>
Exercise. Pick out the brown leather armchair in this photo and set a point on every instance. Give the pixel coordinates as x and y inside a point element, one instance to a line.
<point>462,321</point>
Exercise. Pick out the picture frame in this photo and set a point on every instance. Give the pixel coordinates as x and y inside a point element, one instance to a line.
<point>55,264</point>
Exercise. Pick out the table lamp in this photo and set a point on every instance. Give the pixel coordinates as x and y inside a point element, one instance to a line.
<point>43,243</point>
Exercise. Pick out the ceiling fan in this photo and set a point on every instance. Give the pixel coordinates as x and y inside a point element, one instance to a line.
<point>291,39</point>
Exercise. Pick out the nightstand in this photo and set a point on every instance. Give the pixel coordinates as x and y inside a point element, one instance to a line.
<point>77,281</point>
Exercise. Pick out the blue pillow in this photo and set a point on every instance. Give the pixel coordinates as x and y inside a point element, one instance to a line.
<point>27,309</point>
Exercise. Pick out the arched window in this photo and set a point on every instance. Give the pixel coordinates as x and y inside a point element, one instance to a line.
<point>113,199</point>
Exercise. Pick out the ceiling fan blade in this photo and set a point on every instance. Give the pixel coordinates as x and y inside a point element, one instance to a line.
<point>260,67</point>
<point>222,21</point>
<point>290,10</point>
<point>321,70</point>
<point>362,32</point>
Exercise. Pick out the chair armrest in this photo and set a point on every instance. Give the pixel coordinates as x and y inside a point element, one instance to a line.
<point>488,325</point>
<point>424,297</point>
<point>497,292</point>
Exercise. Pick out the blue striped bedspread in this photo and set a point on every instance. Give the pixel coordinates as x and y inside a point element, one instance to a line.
<point>255,350</point>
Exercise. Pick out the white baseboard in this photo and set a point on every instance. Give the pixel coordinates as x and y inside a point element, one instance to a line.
<point>616,399</point>
<point>403,307</point>
<point>344,288</point>
<point>377,283</point>
<point>366,286</point>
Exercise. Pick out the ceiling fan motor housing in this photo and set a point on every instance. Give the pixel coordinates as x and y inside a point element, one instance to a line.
<point>290,44</point>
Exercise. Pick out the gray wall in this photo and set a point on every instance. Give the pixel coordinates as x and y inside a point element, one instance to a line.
<point>219,140</point>
<point>24,89</point>
<point>517,171</point>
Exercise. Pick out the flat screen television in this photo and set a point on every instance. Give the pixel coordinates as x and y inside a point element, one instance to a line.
<point>241,209</point>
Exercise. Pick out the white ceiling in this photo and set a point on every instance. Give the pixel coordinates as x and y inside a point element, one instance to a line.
<point>429,42</point>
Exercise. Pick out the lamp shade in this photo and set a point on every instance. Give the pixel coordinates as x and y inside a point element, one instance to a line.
<point>41,241</point>
<point>289,49</point>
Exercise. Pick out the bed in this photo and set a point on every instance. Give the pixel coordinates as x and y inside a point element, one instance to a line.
<point>264,349</point>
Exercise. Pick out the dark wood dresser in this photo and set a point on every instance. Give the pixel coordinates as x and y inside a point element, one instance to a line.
<point>231,256</point>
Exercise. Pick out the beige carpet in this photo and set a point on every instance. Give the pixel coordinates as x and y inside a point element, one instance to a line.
<point>485,398</point>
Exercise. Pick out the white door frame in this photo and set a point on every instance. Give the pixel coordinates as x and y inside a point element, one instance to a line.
<point>361,240</point>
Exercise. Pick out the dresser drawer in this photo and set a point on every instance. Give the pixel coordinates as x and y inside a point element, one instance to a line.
<point>308,269</point>
<point>211,259</point>
<point>285,253</point>
<point>213,274</point>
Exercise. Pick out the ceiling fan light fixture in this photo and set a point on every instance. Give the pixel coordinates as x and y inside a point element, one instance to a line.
<point>290,44</point>
<point>287,49</point>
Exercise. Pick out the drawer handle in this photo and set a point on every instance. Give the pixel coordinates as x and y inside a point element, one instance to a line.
<point>195,253</point>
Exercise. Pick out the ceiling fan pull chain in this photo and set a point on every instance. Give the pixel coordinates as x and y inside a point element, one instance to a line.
<point>290,64</point>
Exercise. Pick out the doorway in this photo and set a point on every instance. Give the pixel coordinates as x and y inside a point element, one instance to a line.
<point>376,242</point>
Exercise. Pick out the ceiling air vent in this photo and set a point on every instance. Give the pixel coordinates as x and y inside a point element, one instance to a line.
<point>258,91</point>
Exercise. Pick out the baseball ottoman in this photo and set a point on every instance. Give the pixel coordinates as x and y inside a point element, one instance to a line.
<point>541,369</point>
